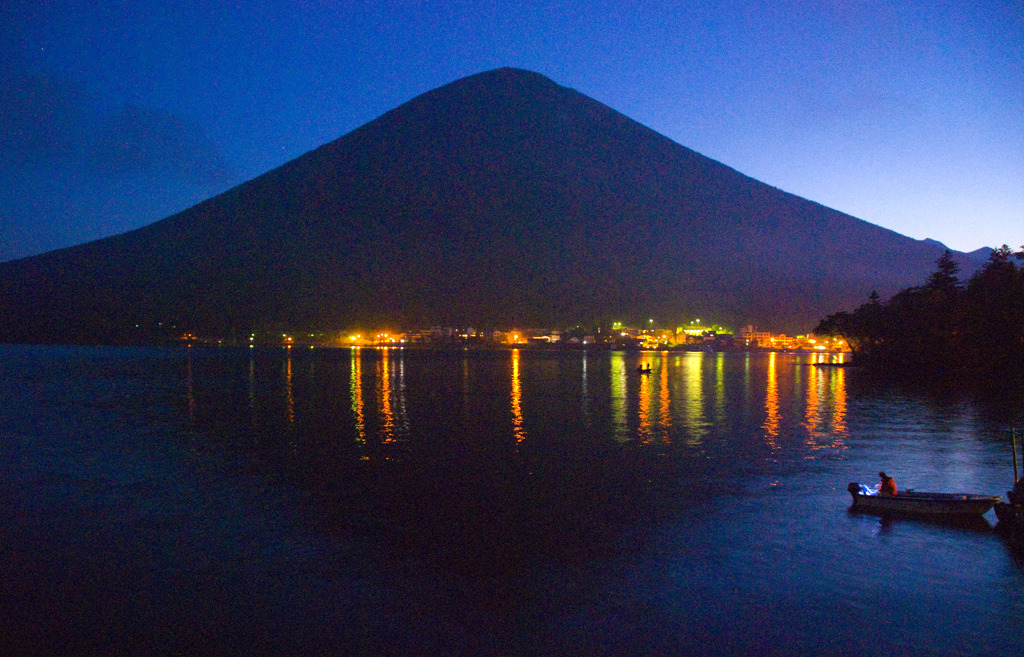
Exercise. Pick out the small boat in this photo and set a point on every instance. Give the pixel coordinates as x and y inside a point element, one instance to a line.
<point>913,503</point>
<point>1011,512</point>
<point>642,370</point>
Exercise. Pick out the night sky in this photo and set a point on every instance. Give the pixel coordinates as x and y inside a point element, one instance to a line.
<point>909,115</point>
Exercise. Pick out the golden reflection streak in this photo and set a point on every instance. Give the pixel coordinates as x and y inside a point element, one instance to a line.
<point>838,385</point>
<point>644,428</point>
<point>288,392</point>
<point>719,388</point>
<point>356,390</point>
<point>771,404</point>
<point>746,381</point>
<point>827,400</point>
<point>664,398</point>
<point>401,405</point>
<point>386,412</point>
<point>517,400</point>
<point>693,408</point>
<point>812,414</point>
<point>618,395</point>
<point>290,402</point>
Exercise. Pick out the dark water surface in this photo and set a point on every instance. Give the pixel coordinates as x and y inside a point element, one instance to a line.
<point>490,503</point>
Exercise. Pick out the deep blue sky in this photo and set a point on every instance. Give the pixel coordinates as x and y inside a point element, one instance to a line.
<point>909,115</point>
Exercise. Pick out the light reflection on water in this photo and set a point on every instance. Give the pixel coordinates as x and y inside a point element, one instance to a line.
<point>391,379</point>
<point>826,407</point>
<point>719,388</point>
<point>771,404</point>
<point>686,397</point>
<point>517,400</point>
<point>356,395</point>
<point>584,406</point>
<point>619,396</point>
<point>645,428</point>
<point>516,502</point>
<point>693,397</point>
<point>289,392</point>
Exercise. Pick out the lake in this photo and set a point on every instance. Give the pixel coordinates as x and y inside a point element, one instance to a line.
<point>505,502</point>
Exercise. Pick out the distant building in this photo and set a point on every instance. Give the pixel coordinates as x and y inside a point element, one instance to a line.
<point>753,338</point>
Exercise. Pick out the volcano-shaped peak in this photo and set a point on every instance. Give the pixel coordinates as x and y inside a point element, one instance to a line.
<point>507,75</point>
<point>502,199</point>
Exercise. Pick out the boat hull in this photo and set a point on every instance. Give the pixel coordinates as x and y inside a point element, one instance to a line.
<point>1011,521</point>
<point>946,505</point>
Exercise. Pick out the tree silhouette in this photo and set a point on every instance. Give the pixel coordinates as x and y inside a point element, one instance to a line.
<point>944,325</point>
<point>945,278</point>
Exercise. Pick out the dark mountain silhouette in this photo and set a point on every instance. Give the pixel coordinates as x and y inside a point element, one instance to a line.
<point>502,199</point>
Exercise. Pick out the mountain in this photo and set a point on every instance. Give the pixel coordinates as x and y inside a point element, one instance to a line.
<point>501,199</point>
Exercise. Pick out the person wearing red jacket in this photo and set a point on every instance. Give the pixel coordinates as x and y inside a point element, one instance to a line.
<point>888,486</point>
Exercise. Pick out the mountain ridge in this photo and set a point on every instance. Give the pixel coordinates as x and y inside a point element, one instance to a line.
<point>499,199</point>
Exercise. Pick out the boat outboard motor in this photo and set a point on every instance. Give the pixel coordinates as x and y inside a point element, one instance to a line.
<point>1016,496</point>
<point>860,489</point>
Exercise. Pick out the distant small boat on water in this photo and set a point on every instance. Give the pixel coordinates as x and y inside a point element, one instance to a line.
<point>913,503</point>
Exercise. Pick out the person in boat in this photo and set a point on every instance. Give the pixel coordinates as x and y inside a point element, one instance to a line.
<point>1016,496</point>
<point>888,486</point>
